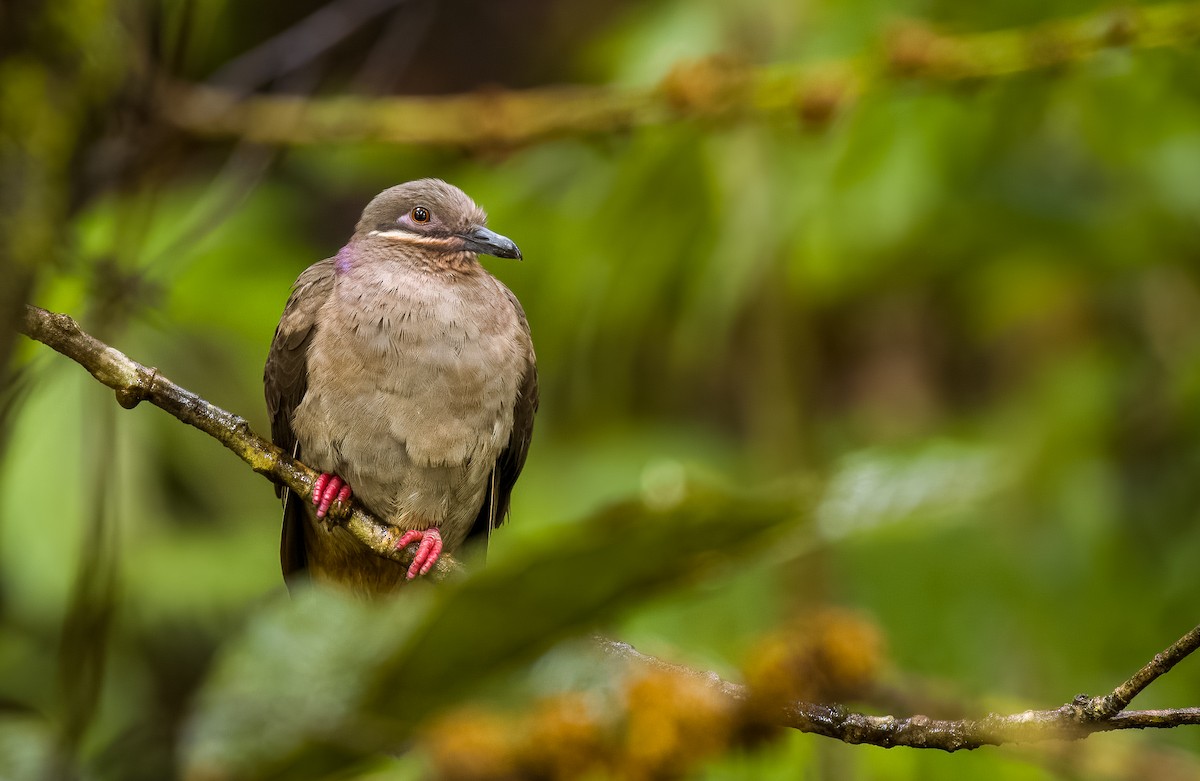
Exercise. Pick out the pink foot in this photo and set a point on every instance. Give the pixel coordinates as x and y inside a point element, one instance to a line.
<point>427,552</point>
<point>327,490</point>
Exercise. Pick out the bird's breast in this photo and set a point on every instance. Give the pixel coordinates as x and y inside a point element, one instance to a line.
<point>422,363</point>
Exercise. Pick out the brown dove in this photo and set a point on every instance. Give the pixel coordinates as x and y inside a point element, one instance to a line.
<point>405,373</point>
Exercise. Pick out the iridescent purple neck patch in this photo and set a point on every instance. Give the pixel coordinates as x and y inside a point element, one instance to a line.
<point>345,259</point>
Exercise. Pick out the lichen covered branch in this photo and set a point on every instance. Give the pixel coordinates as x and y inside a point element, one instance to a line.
<point>715,88</point>
<point>135,383</point>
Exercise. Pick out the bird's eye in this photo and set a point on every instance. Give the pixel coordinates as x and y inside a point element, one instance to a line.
<point>420,214</point>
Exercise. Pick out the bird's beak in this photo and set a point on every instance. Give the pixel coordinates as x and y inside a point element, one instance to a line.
<point>486,242</point>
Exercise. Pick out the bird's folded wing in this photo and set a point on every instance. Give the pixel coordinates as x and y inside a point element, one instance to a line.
<point>512,458</point>
<point>285,381</point>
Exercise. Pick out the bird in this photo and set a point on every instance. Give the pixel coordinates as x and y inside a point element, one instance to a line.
<point>405,374</point>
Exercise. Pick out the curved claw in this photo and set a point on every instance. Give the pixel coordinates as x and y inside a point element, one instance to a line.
<point>327,490</point>
<point>428,550</point>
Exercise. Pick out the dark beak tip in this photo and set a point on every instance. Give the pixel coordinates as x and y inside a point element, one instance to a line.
<point>505,249</point>
<point>488,242</point>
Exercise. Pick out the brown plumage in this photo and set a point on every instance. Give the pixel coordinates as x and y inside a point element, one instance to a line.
<point>404,371</point>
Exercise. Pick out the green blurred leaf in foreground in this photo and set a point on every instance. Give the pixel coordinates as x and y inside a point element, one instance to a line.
<point>27,747</point>
<point>320,682</point>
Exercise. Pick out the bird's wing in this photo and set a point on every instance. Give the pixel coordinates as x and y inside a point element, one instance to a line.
<point>512,458</point>
<point>285,381</point>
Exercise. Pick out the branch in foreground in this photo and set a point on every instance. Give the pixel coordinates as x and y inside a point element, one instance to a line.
<point>1072,721</point>
<point>713,88</point>
<point>134,383</point>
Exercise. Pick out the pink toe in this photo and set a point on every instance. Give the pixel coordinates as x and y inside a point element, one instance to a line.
<point>431,557</point>
<point>319,488</point>
<point>427,552</point>
<point>408,538</point>
<point>327,489</point>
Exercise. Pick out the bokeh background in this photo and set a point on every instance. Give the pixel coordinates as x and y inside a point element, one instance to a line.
<point>952,315</point>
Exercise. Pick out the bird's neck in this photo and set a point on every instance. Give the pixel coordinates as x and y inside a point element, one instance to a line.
<point>376,251</point>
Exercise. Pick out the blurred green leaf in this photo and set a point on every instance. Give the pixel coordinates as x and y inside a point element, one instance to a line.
<point>27,746</point>
<point>322,680</point>
<point>938,480</point>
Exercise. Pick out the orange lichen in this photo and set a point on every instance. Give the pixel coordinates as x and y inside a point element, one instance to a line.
<point>672,722</point>
<point>827,656</point>
<point>471,744</point>
<point>709,86</point>
<point>563,738</point>
<point>659,724</point>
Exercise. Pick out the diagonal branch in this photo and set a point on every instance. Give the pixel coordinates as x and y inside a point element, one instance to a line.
<point>1099,708</point>
<point>309,38</point>
<point>135,383</point>
<point>713,88</point>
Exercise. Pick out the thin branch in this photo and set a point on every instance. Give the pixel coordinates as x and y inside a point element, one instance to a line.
<point>1073,721</point>
<point>1120,697</point>
<point>712,88</point>
<point>301,43</point>
<point>135,383</point>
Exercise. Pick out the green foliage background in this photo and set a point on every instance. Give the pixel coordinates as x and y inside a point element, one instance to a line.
<point>959,324</point>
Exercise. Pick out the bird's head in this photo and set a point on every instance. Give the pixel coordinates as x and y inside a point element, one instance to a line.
<point>432,217</point>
